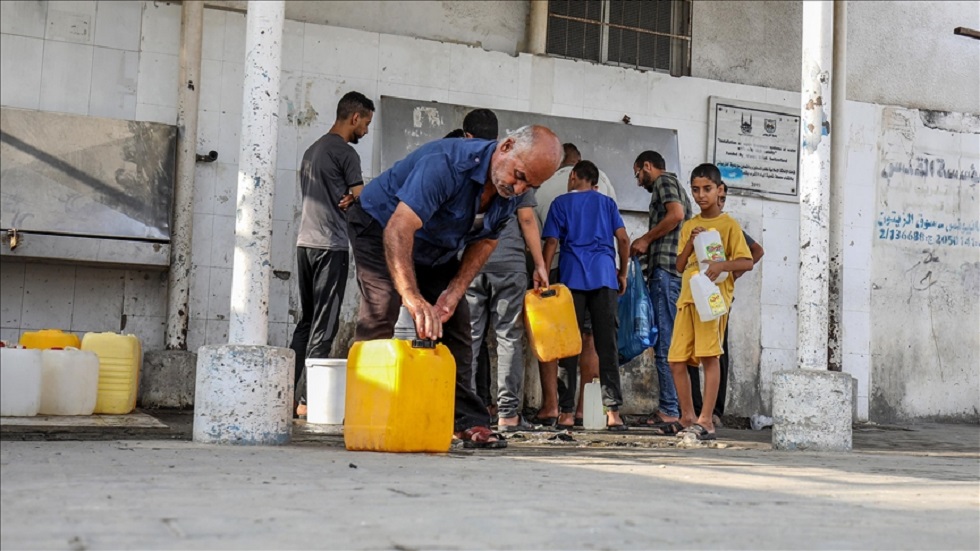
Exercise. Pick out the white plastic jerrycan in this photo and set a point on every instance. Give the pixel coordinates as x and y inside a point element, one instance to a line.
<point>593,415</point>
<point>69,382</point>
<point>708,300</point>
<point>20,382</point>
<point>709,248</point>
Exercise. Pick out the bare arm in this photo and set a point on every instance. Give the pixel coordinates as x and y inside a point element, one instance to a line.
<point>623,245</point>
<point>733,266</point>
<point>674,216</point>
<point>399,241</point>
<point>474,257</point>
<point>550,247</point>
<point>757,254</point>
<point>532,237</point>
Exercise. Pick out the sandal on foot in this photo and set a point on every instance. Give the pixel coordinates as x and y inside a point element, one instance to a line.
<point>521,426</point>
<point>698,431</point>
<point>668,429</point>
<point>544,421</point>
<point>616,428</point>
<point>579,422</point>
<point>482,438</point>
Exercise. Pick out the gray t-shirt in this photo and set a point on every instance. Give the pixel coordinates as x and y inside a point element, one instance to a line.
<point>330,167</point>
<point>509,254</point>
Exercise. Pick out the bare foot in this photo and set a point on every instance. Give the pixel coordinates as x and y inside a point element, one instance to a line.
<point>509,421</point>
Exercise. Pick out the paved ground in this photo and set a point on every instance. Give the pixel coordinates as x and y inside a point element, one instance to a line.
<point>902,488</point>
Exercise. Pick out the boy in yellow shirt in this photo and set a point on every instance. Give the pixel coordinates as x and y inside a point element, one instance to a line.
<point>695,341</point>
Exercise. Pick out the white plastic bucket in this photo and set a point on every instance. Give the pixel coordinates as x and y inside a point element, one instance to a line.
<point>326,385</point>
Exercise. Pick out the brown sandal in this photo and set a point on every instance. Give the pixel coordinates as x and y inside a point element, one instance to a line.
<point>482,438</point>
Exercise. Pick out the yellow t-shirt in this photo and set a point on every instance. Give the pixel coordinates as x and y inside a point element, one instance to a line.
<point>735,247</point>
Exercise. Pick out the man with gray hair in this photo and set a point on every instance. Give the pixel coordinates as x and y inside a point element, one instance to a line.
<point>408,228</point>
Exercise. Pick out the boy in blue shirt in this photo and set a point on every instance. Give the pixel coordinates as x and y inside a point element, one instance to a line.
<point>586,223</point>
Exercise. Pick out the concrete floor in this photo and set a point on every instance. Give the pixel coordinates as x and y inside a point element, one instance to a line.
<point>902,488</point>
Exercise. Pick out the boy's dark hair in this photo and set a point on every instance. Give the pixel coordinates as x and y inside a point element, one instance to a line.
<point>586,170</point>
<point>481,123</point>
<point>458,133</point>
<point>353,102</point>
<point>709,171</point>
<point>652,157</point>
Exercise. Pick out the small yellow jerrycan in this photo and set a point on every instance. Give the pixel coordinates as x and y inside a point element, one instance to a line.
<point>552,328</point>
<point>49,338</point>
<point>400,393</point>
<point>120,358</point>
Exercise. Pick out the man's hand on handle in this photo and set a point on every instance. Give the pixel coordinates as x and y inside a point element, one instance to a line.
<point>428,324</point>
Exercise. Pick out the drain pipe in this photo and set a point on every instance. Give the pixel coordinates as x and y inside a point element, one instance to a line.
<point>838,175</point>
<point>178,296</point>
<point>537,28</point>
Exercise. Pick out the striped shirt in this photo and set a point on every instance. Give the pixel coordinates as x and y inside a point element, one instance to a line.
<point>663,252</point>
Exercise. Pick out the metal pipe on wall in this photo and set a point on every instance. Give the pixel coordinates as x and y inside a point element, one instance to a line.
<point>249,320</point>
<point>838,176</point>
<point>178,295</point>
<point>537,29</point>
<point>815,137</point>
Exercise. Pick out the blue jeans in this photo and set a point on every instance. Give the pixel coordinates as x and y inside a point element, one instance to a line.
<point>664,290</point>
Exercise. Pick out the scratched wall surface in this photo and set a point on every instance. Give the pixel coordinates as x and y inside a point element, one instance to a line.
<point>926,269</point>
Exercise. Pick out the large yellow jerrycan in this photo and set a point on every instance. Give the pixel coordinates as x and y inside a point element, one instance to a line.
<point>400,394</point>
<point>49,338</point>
<point>552,328</point>
<point>120,357</point>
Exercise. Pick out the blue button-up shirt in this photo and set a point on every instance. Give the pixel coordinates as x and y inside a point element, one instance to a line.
<point>442,182</point>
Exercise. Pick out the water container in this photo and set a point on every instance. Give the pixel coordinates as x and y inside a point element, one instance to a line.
<point>552,328</point>
<point>400,394</point>
<point>593,415</point>
<point>69,382</point>
<point>709,248</point>
<point>20,382</point>
<point>708,300</point>
<point>120,357</point>
<point>326,382</point>
<point>49,338</point>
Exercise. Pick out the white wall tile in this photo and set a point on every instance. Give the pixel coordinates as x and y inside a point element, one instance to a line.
<point>204,182</point>
<point>200,292</point>
<point>476,71</point>
<point>342,52</point>
<point>568,71</point>
<point>158,75</point>
<point>858,366</point>
<point>857,290</point>
<point>48,293</point>
<point>780,282</point>
<point>98,300</point>
<point>279,334</point>
<point>219,295</point>
<point>408,61</point>
<point>217,332</point>
<point>71,21</point>
<point>859,204</point>
<point>11,292</point>
<point>225,187</point>
<point>117,24</point>
<point>293,36</point>
<point>232,86</point>
<point>487,101</point>
<point>234,45</point>
<point>196,334</point>
<point>151,330</point>
<point>279,300</point>
<point>402,90</point>
<point>20,70</point>
<point>229,140</point>
<point>213,35</point>
<point>165,114</point>
<point>287,201</point>
<point>201,239</point>
<point>66,77</point>
<point>862,408</point>
<point>9,334</point>
<point>779,326</point>
<point>145,293</point>
<point>210,98</point>
<point>773,360</point>
<point>23,18</point>
<point>286,150</point>
<point>857,251</point>
<point>114,77</point>
<point>223,242</point>
<point>284,245</point>
<point>161,28</point>
<point>856,333</point>
<point>208,134</point>
<point>565,110</point>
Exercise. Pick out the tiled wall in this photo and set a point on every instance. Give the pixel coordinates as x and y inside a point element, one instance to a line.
<point>119,59</point>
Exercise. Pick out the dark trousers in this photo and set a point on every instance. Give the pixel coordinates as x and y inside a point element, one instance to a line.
<point>322,278</point>
<point>483,378</point>
<point>380,303</point>
<point>601,305</point>
<point>695,373</point>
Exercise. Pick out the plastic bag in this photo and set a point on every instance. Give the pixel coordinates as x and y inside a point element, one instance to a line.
<point>637,327</point>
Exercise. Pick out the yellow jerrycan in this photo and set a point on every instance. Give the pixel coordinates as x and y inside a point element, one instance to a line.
<point>552,329</point>
<point>49,338</point>
<point>120,357</point>
<point>400,393</point>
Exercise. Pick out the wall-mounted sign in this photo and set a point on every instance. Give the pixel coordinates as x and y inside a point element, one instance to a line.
<point>756,145</point>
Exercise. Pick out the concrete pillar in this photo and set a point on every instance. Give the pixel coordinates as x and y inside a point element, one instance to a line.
<point>812,410</point>
<point>537,28</point>
<point>812,407</point>
<point>838,175</point>
<point>244,390</point>
<point>249,320</point>
<point>188,91</point>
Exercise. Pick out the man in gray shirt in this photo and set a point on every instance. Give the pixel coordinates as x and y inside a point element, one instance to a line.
<point>330,176</point>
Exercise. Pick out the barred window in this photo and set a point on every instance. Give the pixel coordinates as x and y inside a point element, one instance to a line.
<point>645,34</point>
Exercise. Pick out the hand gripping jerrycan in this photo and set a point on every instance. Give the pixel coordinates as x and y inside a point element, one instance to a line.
<point>552,329</point>
<point>400,393</point>
<point>709,248</point>
<point>120,357</point>
<point>707,298</point>
<point>49,338</point>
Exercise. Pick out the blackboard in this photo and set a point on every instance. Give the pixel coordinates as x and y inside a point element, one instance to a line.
<point>407,124</point>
